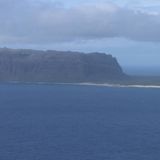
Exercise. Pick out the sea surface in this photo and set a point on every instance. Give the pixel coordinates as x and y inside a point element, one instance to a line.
<point>71,122</point>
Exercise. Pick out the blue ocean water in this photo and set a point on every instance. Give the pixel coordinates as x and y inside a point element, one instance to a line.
<point>69,122</point>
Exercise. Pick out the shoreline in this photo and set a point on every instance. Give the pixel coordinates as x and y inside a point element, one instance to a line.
<point>87,84</point>
<point>121,85</point>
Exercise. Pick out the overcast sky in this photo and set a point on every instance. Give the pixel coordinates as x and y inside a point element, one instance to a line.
<point>127,29</point>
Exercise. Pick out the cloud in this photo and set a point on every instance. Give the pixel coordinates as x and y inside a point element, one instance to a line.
<point>39,22</point>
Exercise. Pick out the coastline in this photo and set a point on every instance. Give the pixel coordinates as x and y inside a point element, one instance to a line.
<point>121,85</point>
<point>114,85</point>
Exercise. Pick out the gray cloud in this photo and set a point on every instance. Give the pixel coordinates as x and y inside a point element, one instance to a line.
<point>38,21</point>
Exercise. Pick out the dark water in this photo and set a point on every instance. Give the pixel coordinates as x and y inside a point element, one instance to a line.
<point>64,122</point>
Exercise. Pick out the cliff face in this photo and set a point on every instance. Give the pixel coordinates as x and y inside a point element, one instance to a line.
<point>56,66</point>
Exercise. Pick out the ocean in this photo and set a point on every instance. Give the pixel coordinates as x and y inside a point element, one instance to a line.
<point>72,122</point>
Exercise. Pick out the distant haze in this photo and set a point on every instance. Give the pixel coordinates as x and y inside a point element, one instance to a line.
<point>144,71</point>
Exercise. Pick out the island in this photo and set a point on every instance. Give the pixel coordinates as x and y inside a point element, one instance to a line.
<point>50,66</point>
<point>57,66</point>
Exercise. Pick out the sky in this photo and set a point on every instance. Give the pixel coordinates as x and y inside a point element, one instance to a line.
<point>127,29</point>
